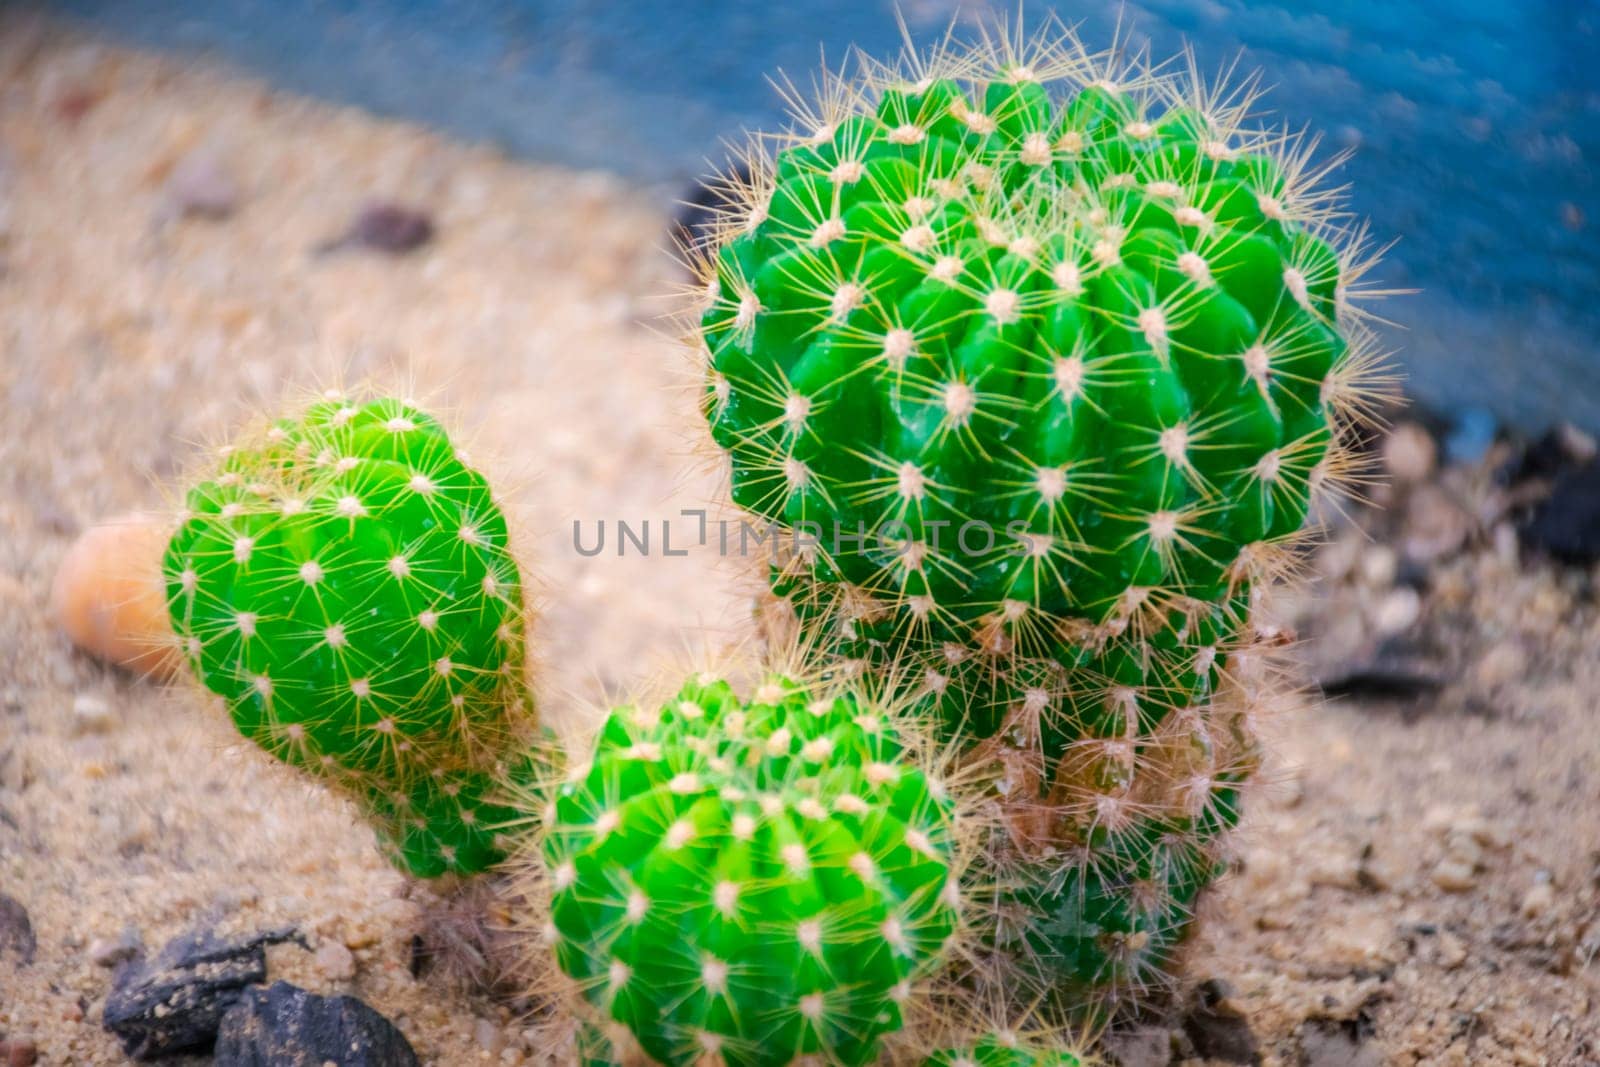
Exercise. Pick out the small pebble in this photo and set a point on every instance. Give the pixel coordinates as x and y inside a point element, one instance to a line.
<point>74,104</point>
<point>1337,868</point>
<point>1581,446</point>
<point>1409,453</point>
<point>1502,664</point>
<point>108,952</point>
<point>490,1037</point>
<point>1537,901</point>
<point>201,186</point>
<point>386,227</point>
<point>1397,611</point>
<point>19,1052</point>
<point>1381,871</point>
<point>1454,876</point>
<point>335,962</point>
<point>1463,848</point>
<point>1481,831</point>
<point>1379,564</point>
<point>108,595</point>
<point>1435,526</point>
<point>91,714</point>
<point>1450,951</point>
<point>1339,557</point>
<point>400,914</point>
<point>1358,941</point>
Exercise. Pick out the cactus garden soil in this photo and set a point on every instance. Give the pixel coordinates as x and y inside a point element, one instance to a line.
<point>1418,884</point>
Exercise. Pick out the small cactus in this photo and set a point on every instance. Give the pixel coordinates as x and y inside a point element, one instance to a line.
<point>1041,358</point>
<point>344,582</point>
<point>760,881</point>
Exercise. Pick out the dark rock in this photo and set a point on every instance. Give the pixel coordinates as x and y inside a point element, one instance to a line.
<point>16,930</point>
<point>1566,526</point>
<point>1217,1029</point>
<point>1385,677</point>
<point>1561,449</point>
<point>285,1026</point>
<point>174,1003</point>
<point>385,227</point>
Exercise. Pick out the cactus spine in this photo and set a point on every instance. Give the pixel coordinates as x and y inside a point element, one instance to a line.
<point>344,581</point>
<point>756,882</point>
<point>1043,356</point>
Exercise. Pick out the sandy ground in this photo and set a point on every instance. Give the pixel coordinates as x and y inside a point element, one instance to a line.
<point>1418,887</point>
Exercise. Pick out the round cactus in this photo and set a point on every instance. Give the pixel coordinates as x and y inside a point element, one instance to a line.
<point>759,881</point>
<point>344,582</point>
<point>1039,358</point>
<point>1000,351</point>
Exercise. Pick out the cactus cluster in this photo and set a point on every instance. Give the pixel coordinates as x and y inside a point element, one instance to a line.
<point>752,881</point>
<point>1041,357</point>
<point>344,582</point>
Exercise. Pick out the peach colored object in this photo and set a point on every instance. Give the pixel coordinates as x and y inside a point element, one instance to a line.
<point>108,595</point>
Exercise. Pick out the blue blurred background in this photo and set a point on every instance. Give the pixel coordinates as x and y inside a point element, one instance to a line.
<point>1476,124</point>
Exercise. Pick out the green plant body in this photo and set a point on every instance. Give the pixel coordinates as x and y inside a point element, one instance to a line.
<point>758,881</point>
<point>345,583</point>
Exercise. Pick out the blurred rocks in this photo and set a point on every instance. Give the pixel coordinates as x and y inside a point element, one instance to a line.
<point>1397,611</point>
<point>109,952</point>
<point>1409,453</point>
<point>1454,875</point>
<point>387,227</point>
<point>18,1052</point>
<point>1218,1029</point>
<point>91,714</point>
<point>285,1026</point>
<point>1143,1046</point>
<point>336,962</point>
<point>1559,449</point>
<point>16,931</point>
<point>175,1002</point>
<point>1538,900</point>
<point>201,186</point>
<point>1566,525</point>
<point>1435,525</point>
<point>1458,583</point>
<point>1324,1044</point>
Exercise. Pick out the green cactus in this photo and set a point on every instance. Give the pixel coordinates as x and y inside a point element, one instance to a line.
<point>1105,334</point>
<point>1118,767</point>
<point>1007,1050</point>
<point>345,583</point>
<point>759,880</point>
<point>1040,358</point>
